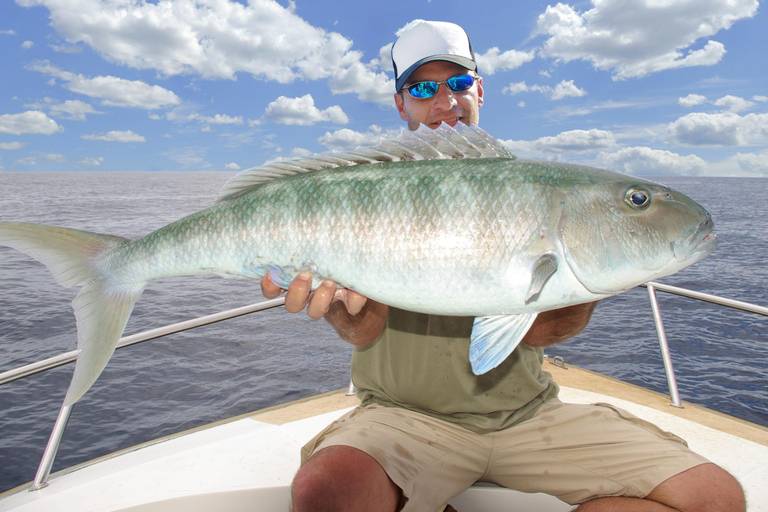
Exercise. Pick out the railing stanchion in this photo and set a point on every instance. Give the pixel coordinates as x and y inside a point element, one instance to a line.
<point>674,394</point>
<point>44,470</point>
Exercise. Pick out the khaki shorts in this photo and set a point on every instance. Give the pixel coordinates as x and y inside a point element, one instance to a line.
<point>574,452</point>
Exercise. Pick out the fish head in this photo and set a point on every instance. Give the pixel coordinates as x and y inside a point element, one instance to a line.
<point>618,232</point>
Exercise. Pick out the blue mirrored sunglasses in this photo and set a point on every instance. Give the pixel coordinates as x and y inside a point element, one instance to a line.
<point>423,90</point>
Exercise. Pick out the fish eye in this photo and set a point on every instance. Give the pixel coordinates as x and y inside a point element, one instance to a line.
<point>638,199</point>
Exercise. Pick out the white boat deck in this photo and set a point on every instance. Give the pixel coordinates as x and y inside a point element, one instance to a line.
<point>248,463</point>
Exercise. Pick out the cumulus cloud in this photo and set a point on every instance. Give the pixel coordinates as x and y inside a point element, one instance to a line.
<point>734,103</point>
<point>111,90</point>
<point>73,109</point>
<point>721,129</point>
<point>27,44</point>
<point>10,146</point>
<point>8,32</point>
<point>574,141</point>
<point>692,100</point>
<point>29,122</point>
<point>494,60</point>
<point>348,139</point>
<point>644,161</point>
<point>753,163</point>
<point>92,161</point>
<point>217,39</point>
<point>37,159</point>
<point>303,112</point>
<point>636,38</point>
<point>217,119</point>
<point>564,89</point>
<point>232,167</point>
<point>116,136</point>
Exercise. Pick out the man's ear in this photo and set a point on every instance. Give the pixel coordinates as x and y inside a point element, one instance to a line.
<point>479,91</point>
<point>400,104</point>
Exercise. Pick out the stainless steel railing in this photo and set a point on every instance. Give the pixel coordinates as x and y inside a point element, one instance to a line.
<point>664,344</point>
<point>44,470</point>
<point>49,454</point>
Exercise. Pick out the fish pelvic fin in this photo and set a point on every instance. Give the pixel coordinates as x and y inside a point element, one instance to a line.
<point>103,305</point>
<point>495,337</point>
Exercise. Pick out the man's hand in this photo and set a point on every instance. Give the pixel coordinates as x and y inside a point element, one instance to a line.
<point>356,319</point>
<point>558,325</point>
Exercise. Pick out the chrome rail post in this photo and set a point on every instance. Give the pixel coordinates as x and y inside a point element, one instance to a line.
<point>664,346</point>
<point>44,470</point>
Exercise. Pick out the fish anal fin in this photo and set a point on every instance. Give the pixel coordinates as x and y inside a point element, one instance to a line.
<point>495,337</point>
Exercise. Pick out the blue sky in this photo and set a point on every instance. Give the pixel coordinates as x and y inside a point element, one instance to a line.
<point>645,87</point>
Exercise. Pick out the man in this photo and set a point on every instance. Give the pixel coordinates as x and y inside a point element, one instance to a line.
<point>428,428</point>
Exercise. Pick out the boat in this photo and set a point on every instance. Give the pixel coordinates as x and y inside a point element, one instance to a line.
<point>248,462</point>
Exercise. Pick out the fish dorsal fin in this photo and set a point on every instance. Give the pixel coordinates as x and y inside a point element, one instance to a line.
<point>444,143</point>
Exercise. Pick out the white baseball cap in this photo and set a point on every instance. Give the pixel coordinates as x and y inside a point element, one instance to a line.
<point>429,41</point>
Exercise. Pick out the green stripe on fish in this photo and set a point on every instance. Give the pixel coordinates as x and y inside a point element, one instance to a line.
<point>444,222</point>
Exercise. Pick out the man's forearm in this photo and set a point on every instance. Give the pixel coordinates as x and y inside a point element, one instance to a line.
<point>362,328</point>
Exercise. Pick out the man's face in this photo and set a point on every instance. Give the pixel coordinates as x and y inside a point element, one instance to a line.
<point>444,107</point>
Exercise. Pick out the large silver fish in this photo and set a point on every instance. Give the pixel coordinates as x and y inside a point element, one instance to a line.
<point>444,222</point>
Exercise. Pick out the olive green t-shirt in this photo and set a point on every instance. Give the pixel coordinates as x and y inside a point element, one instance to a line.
<point>421,362</point>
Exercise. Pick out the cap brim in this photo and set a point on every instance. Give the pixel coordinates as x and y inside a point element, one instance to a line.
<point>464,62</point>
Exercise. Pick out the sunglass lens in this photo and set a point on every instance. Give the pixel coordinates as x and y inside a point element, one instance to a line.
<point>423,89</point>
<point>460,83</point>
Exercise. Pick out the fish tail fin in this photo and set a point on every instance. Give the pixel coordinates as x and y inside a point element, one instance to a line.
<point>104,304</point>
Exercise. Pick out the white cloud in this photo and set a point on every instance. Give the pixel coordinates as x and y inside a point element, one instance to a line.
<point>692,100</point>
<point>92,161</point>
<point>74,109</point>
<point>493,60</point>
<point>574,141</point>
<point>755,164</point>
<point>111,90</point>
<point>301,153</point>
<point>27,44</point>
<point>303,112</point>
<point>734,103</point>
<point>217,119</point>
<point>722,129</point>
<point>116,136</point>
<point>760,98</point>
<point>8,32</point>
<point>10,146</point>
<point>37,159</point>
<point>29,122</point>
<point>348,139</point>
<point>564,89</point>
<point>232,167</point>
<point>644,161</point>
<point>217,39</point>
<point>65,48</point>
<point>636,38</point>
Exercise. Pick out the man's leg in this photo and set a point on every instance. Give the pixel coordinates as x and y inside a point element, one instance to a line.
<point>702,488</point>
<point>342,478</point>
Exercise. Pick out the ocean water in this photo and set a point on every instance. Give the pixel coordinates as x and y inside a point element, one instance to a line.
<point>190,379</point>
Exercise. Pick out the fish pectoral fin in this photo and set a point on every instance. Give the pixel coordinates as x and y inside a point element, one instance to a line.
<point>544,268</point>
<point>495,337</point>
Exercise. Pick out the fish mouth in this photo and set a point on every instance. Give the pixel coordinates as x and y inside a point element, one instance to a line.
<point>698,244</point>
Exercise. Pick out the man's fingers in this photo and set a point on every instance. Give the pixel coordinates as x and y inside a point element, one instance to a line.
<point>269,289</point>
<point>354,302</point>
<point>298,293</point>
<point>321,299</point>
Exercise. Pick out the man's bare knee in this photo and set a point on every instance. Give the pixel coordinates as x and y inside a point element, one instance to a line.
<point>343,478</point>
<point>704,487</point>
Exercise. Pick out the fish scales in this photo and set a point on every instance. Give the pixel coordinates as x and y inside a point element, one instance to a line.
<point>412,222</point>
